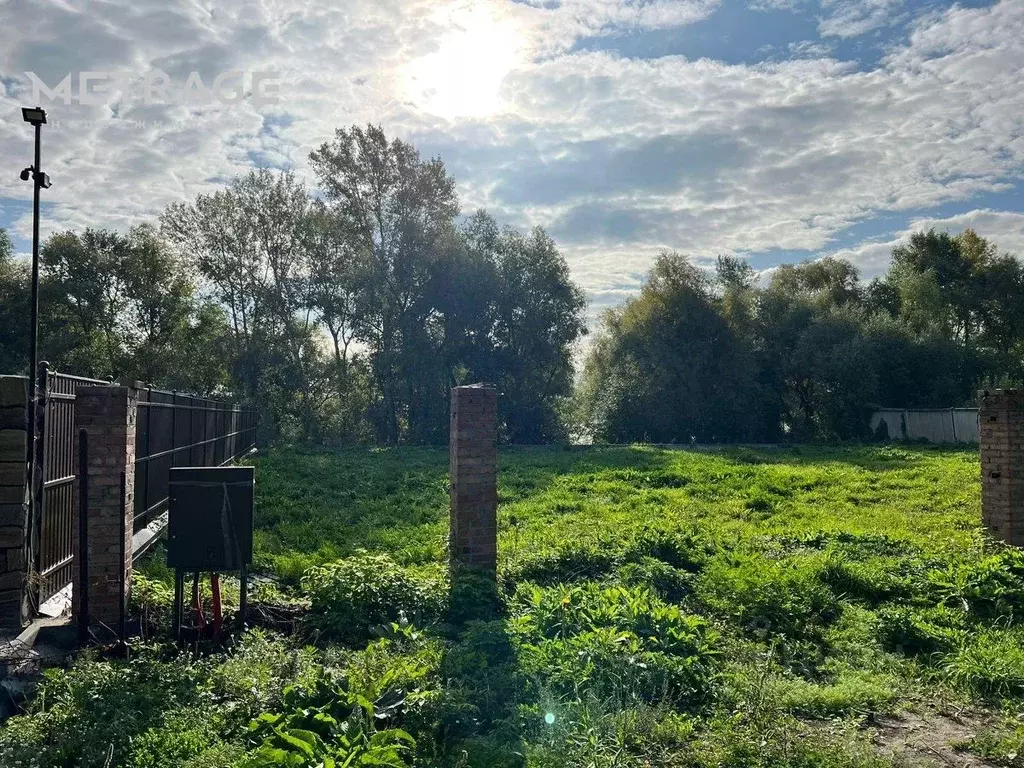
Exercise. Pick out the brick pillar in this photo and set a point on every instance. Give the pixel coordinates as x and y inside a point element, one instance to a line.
<point>14,608</point>
<point>473,478</point>
<point>108,414</point>
<point>1001,428</point>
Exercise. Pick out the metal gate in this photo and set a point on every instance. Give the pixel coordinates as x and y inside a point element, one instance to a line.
<point>54,515</point>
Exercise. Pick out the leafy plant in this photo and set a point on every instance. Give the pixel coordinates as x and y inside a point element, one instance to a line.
<point>352,596</point>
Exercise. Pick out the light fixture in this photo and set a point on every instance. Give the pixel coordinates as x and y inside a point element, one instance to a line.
<point>34,115</point>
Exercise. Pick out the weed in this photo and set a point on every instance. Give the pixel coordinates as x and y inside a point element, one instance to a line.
<point>351,596</point>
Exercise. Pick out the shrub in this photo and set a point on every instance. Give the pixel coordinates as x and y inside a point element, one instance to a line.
<point>571,561</point>
<point>614,641</point>
<point>853,693</point>
<point>671,584</point>
<point>351,596</point>
<point>92,713</point>
<point>484,667</point>
<point>473,596</point>
<point>687,550</point>
<point>990,587</point>
<point>871,582</point>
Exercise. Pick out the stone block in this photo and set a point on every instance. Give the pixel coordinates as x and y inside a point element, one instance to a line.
<point>13,444</point>
<point>13,391</point>
<point>13,472</point>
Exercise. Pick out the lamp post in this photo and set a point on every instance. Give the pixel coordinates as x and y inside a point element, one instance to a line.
<point>36,117</point>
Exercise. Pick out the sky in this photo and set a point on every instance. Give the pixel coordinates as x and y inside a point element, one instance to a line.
<point>774,130</point>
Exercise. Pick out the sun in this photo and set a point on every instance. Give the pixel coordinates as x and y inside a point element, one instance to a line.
<point>463,77</point>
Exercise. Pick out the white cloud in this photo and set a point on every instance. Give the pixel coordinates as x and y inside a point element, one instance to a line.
<point>618,156</point>
<point>850,18</point>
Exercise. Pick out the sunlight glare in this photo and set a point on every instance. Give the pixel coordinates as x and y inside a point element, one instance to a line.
<point>463,77</point>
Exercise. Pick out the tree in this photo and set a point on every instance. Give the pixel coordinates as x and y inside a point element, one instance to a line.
<point>395,207</point>
<point>14,309</point>
<point>666,366</point>
<point>248,242</point>
<point>122,306</point>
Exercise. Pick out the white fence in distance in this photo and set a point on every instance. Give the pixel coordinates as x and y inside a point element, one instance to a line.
<point>936,425</point>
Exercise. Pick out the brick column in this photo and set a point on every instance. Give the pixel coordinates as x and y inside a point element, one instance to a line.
<point>14,608</point>
<point>473,477</point>
<point>1001,435</point>
<point>108,414</point>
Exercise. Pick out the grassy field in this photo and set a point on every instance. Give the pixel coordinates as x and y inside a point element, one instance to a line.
<point>799,607</point>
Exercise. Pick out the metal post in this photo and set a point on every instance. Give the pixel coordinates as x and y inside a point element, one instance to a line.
<point>83,536</point>
<point>37,480</point>
<point>34,318</point>
<point>243,594</point>
<point>124,568</point>
<point>179,602</point>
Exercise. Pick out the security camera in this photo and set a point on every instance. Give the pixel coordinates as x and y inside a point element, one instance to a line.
<point>26,173</point>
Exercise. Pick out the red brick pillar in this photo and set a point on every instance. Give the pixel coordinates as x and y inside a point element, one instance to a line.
<point>14,608</point>
<point>473,476</point>
<point>1001,428</point>
<point>108,415</point>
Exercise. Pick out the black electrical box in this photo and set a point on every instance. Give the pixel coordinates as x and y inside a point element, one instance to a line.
<point>210,525</point>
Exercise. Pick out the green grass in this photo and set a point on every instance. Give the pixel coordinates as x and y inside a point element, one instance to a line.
<point>739,607</point>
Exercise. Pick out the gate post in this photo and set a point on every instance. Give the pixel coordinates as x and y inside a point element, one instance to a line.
<point>473,478</point>
<point>108,414</point>
<point>1001,438</point>
<point>14,610</point>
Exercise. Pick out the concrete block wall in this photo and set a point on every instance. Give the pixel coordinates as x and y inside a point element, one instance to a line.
<point>109,416</point>
<point>1001,434</point>
<point>473,478</point>
<point>14,609</point>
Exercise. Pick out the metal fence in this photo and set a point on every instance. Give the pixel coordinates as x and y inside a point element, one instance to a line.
<point>171,430</point>
<point>174,430</point>
<point>53,525</point>
<point>936,425</point>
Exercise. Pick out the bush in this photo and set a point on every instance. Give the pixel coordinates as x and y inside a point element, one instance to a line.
<point>990,587</point>
<point>613,641</point>
<point>483,666</point>
<point>568,562</point>
<point>350,597</point>
<point>92,713</point>
<point>671,584</point>
<point>871,582</point>
<point>854,693</point>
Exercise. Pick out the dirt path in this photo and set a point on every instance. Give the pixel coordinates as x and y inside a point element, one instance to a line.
<point>929,738</point>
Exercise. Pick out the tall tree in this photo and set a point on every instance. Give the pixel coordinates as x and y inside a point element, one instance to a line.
<point>248,243</point>
<point>395,207</point>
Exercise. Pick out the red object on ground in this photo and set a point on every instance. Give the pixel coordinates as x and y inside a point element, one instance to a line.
<point>215,588</point>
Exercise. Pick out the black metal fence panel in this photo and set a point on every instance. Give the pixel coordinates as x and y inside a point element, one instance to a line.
<point>54,521</point>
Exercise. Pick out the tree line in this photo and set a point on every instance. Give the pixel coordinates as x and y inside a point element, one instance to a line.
<point>343,316</point>
<point>806,352</point>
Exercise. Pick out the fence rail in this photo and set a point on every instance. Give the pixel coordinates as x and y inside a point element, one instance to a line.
<point>172,429</point>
